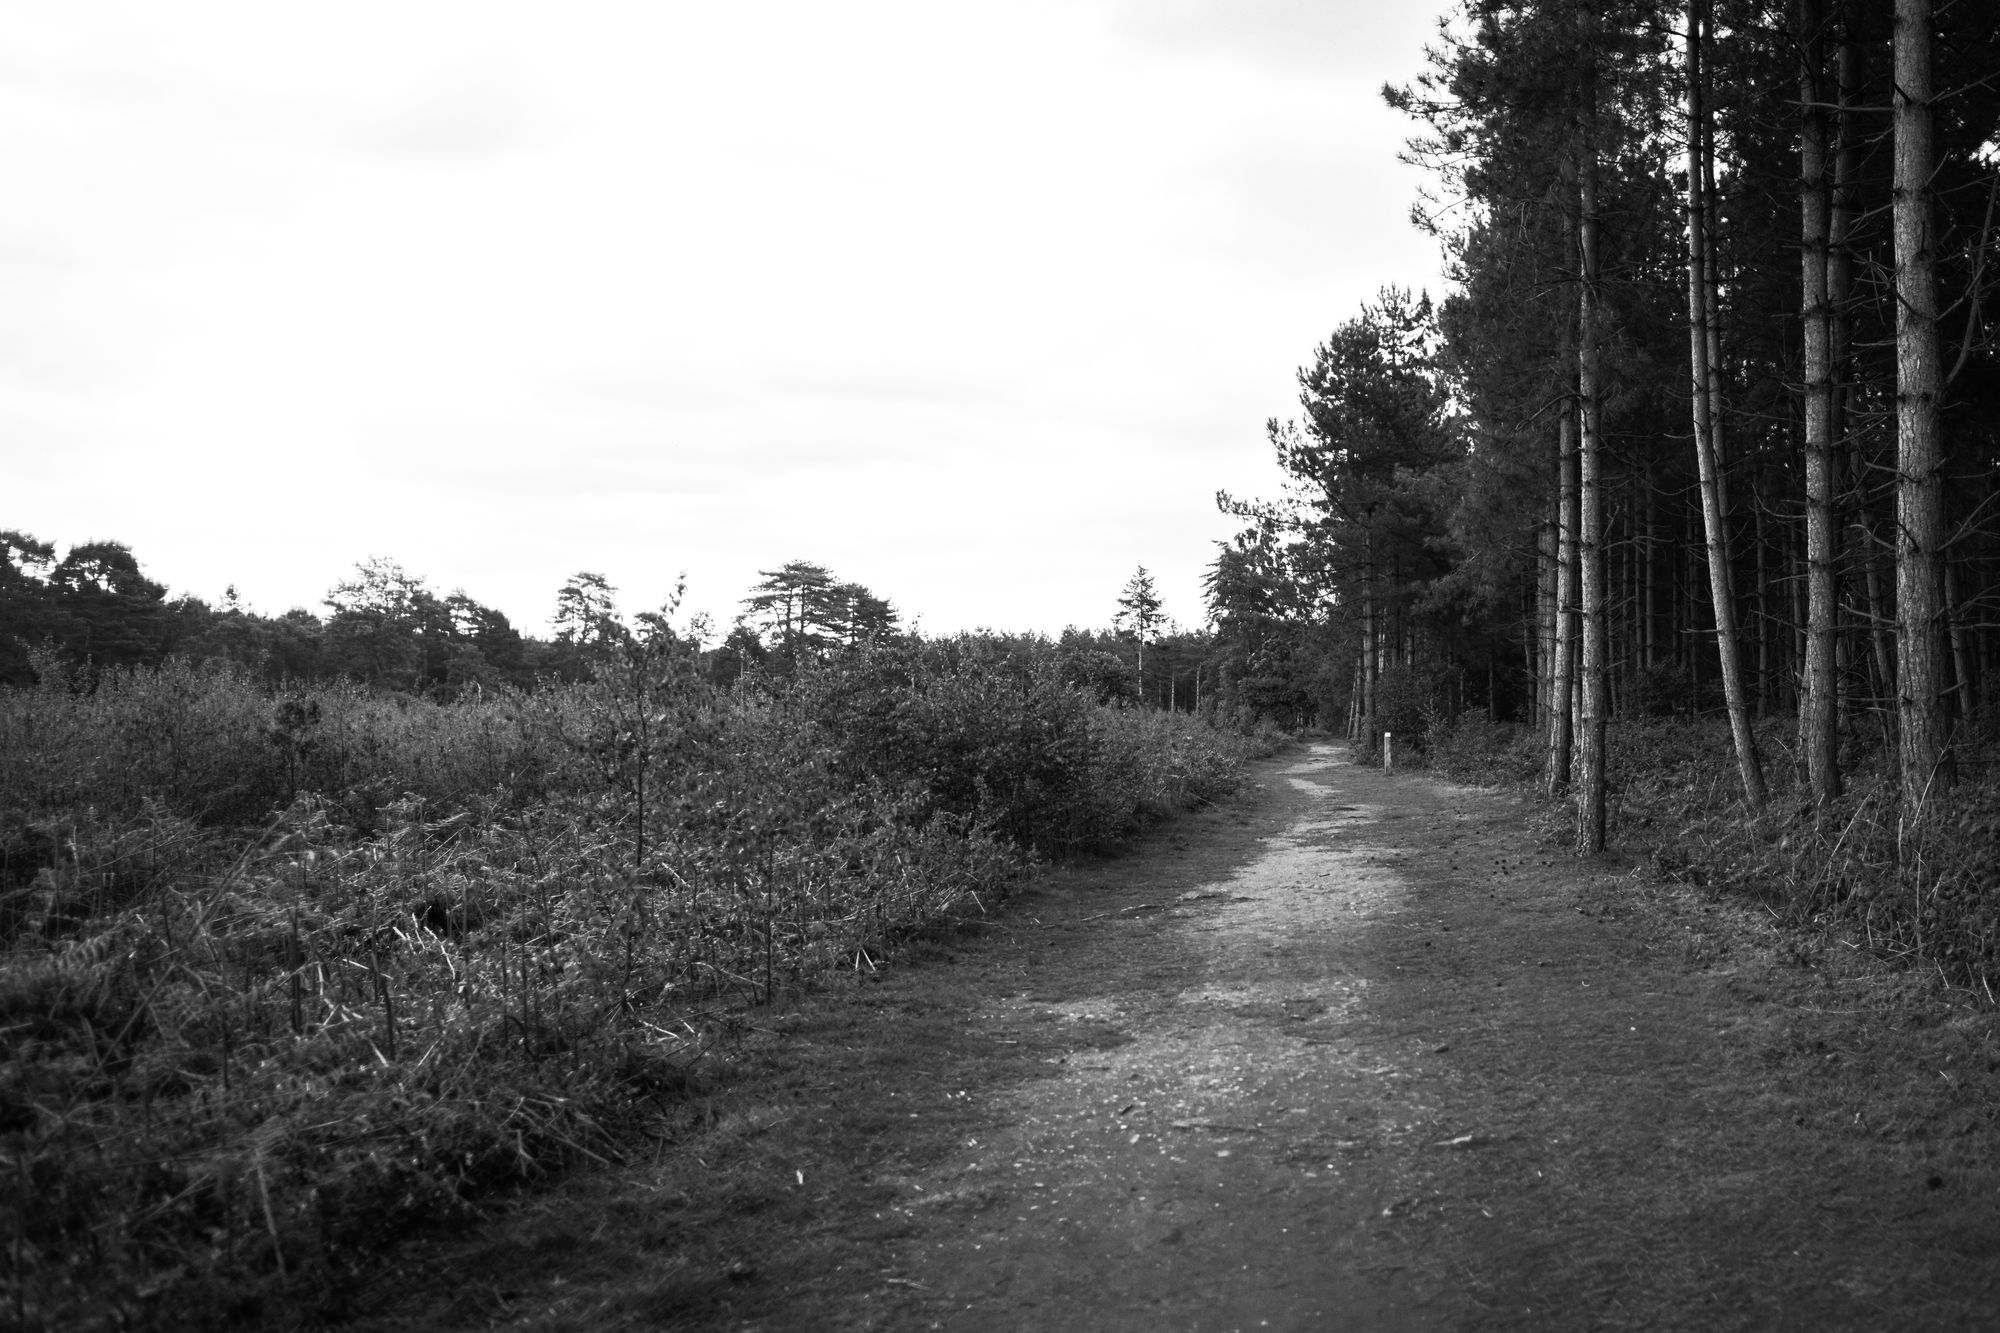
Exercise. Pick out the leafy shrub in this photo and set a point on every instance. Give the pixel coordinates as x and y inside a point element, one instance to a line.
<point>1473,749</point>
<point>1001,740</point>
<point>1105,677</point>
<point>1407,706</point>
<point>999,736</point>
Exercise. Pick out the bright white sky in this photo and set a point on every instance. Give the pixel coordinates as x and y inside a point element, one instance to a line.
<point>977,304</point>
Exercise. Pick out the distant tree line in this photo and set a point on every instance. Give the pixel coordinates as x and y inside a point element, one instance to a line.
<point>386,627</point>
<point>383,625</point>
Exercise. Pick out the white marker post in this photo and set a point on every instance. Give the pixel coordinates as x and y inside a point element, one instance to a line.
<point>1388,751</point>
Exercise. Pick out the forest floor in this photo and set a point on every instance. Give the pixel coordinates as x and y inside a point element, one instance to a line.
<point>1352,1051</point>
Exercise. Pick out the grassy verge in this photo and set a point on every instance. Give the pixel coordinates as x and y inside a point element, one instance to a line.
<point>1919,889</point>
<point>287,976</point>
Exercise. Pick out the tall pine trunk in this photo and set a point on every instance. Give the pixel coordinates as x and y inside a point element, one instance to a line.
<point>1562,673</point>
<point>1593,701</point>
<point>1920,677</point>
<point>1706,377</point>
<point>1819,701</point>
<point>1547,581</point>
<point>1649,638</point>
<point>1370,630</point>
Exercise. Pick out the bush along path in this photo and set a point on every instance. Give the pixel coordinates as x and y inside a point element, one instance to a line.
<point>1356,1051</point>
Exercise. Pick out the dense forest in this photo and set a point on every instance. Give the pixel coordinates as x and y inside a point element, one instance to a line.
<point>1681,506</point>
<point>1707,427</point>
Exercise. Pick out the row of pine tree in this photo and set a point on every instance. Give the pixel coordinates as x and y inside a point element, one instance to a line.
<point>1710,421</point>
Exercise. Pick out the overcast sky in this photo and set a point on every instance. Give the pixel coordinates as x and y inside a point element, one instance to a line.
<point>977,304</point>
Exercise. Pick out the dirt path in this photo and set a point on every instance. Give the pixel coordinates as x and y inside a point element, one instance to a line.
<point>1218,1168</point>
<point>1354,1053</point>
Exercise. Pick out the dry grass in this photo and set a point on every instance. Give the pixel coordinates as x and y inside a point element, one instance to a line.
<point>461,946</point>
<point>1920,891</point>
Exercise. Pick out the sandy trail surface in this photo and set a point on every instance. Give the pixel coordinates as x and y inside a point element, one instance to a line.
<point>1356,1052</point>
<point>1211,1171</point>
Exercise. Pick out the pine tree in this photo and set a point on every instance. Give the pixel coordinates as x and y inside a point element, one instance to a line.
<point>1818,699</point>
<point>1706,397</point>
<point>1925,759</point>
<point>1139,612</point>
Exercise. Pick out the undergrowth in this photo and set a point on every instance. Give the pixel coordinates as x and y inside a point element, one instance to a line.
<point>1922,888</point>
<point>285,975</point>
